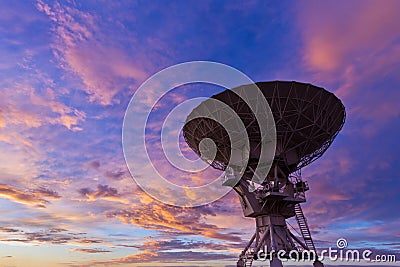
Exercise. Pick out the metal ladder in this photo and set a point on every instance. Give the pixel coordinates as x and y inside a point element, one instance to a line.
<point>249,258</point>
<point>249,263</point>
<point>246,261</point>
<point>304,230</point>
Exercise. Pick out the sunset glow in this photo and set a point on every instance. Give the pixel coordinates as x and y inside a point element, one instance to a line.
<point>68,70</point>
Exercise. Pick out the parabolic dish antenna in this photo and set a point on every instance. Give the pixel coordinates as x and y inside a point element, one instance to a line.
<point>307,119</point>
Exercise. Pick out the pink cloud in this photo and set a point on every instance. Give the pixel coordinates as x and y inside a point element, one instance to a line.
<point>101,70</point>
<point>102,66</point>
<point>354,47</point>
<point>13,114</point>
<point>2,121</point>
<point>35,110</point>
<point>336,33</point>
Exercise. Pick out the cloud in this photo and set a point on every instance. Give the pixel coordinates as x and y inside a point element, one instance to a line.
<point>354,47</point>
<point>184,256</point>
<point>8,257</point>
<point>115,175</point>
<point>51,236</point>
<point>173,220</point>
<point>46,192</point>
<point>334,34</point>
<point>90,250</point>
<point>95,164</point>
<point>68,117</point>
<point>14,114</point>
<point>33,198</point>
<point>15,138</point>
<point>99,63</point>
<point>102,66</point>
<point>8,230</point>
<point>172,250</point>
<point>103,192</point>
<point>16,109</point>
<point>2,121</point>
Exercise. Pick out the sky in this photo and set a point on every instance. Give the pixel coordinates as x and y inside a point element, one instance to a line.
<point>68,70</point>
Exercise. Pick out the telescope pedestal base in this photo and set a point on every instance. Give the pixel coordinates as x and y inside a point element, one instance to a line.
<point>272,234</point>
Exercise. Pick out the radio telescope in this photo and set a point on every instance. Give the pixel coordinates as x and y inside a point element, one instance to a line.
<point>307,120</point>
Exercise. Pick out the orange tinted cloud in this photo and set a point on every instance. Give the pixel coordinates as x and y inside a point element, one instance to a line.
<point>36,110</point>
<point>143,256</point>
<point>35,198</point>
<point>158,216</point>
<point>67,116</point>
<point>15,115</point>
<point>103,192</point>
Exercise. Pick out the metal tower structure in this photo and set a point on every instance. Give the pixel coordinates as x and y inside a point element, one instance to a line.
<point>307,120</point>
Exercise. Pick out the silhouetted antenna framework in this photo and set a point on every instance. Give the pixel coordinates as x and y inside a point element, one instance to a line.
<point>307,120</point>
